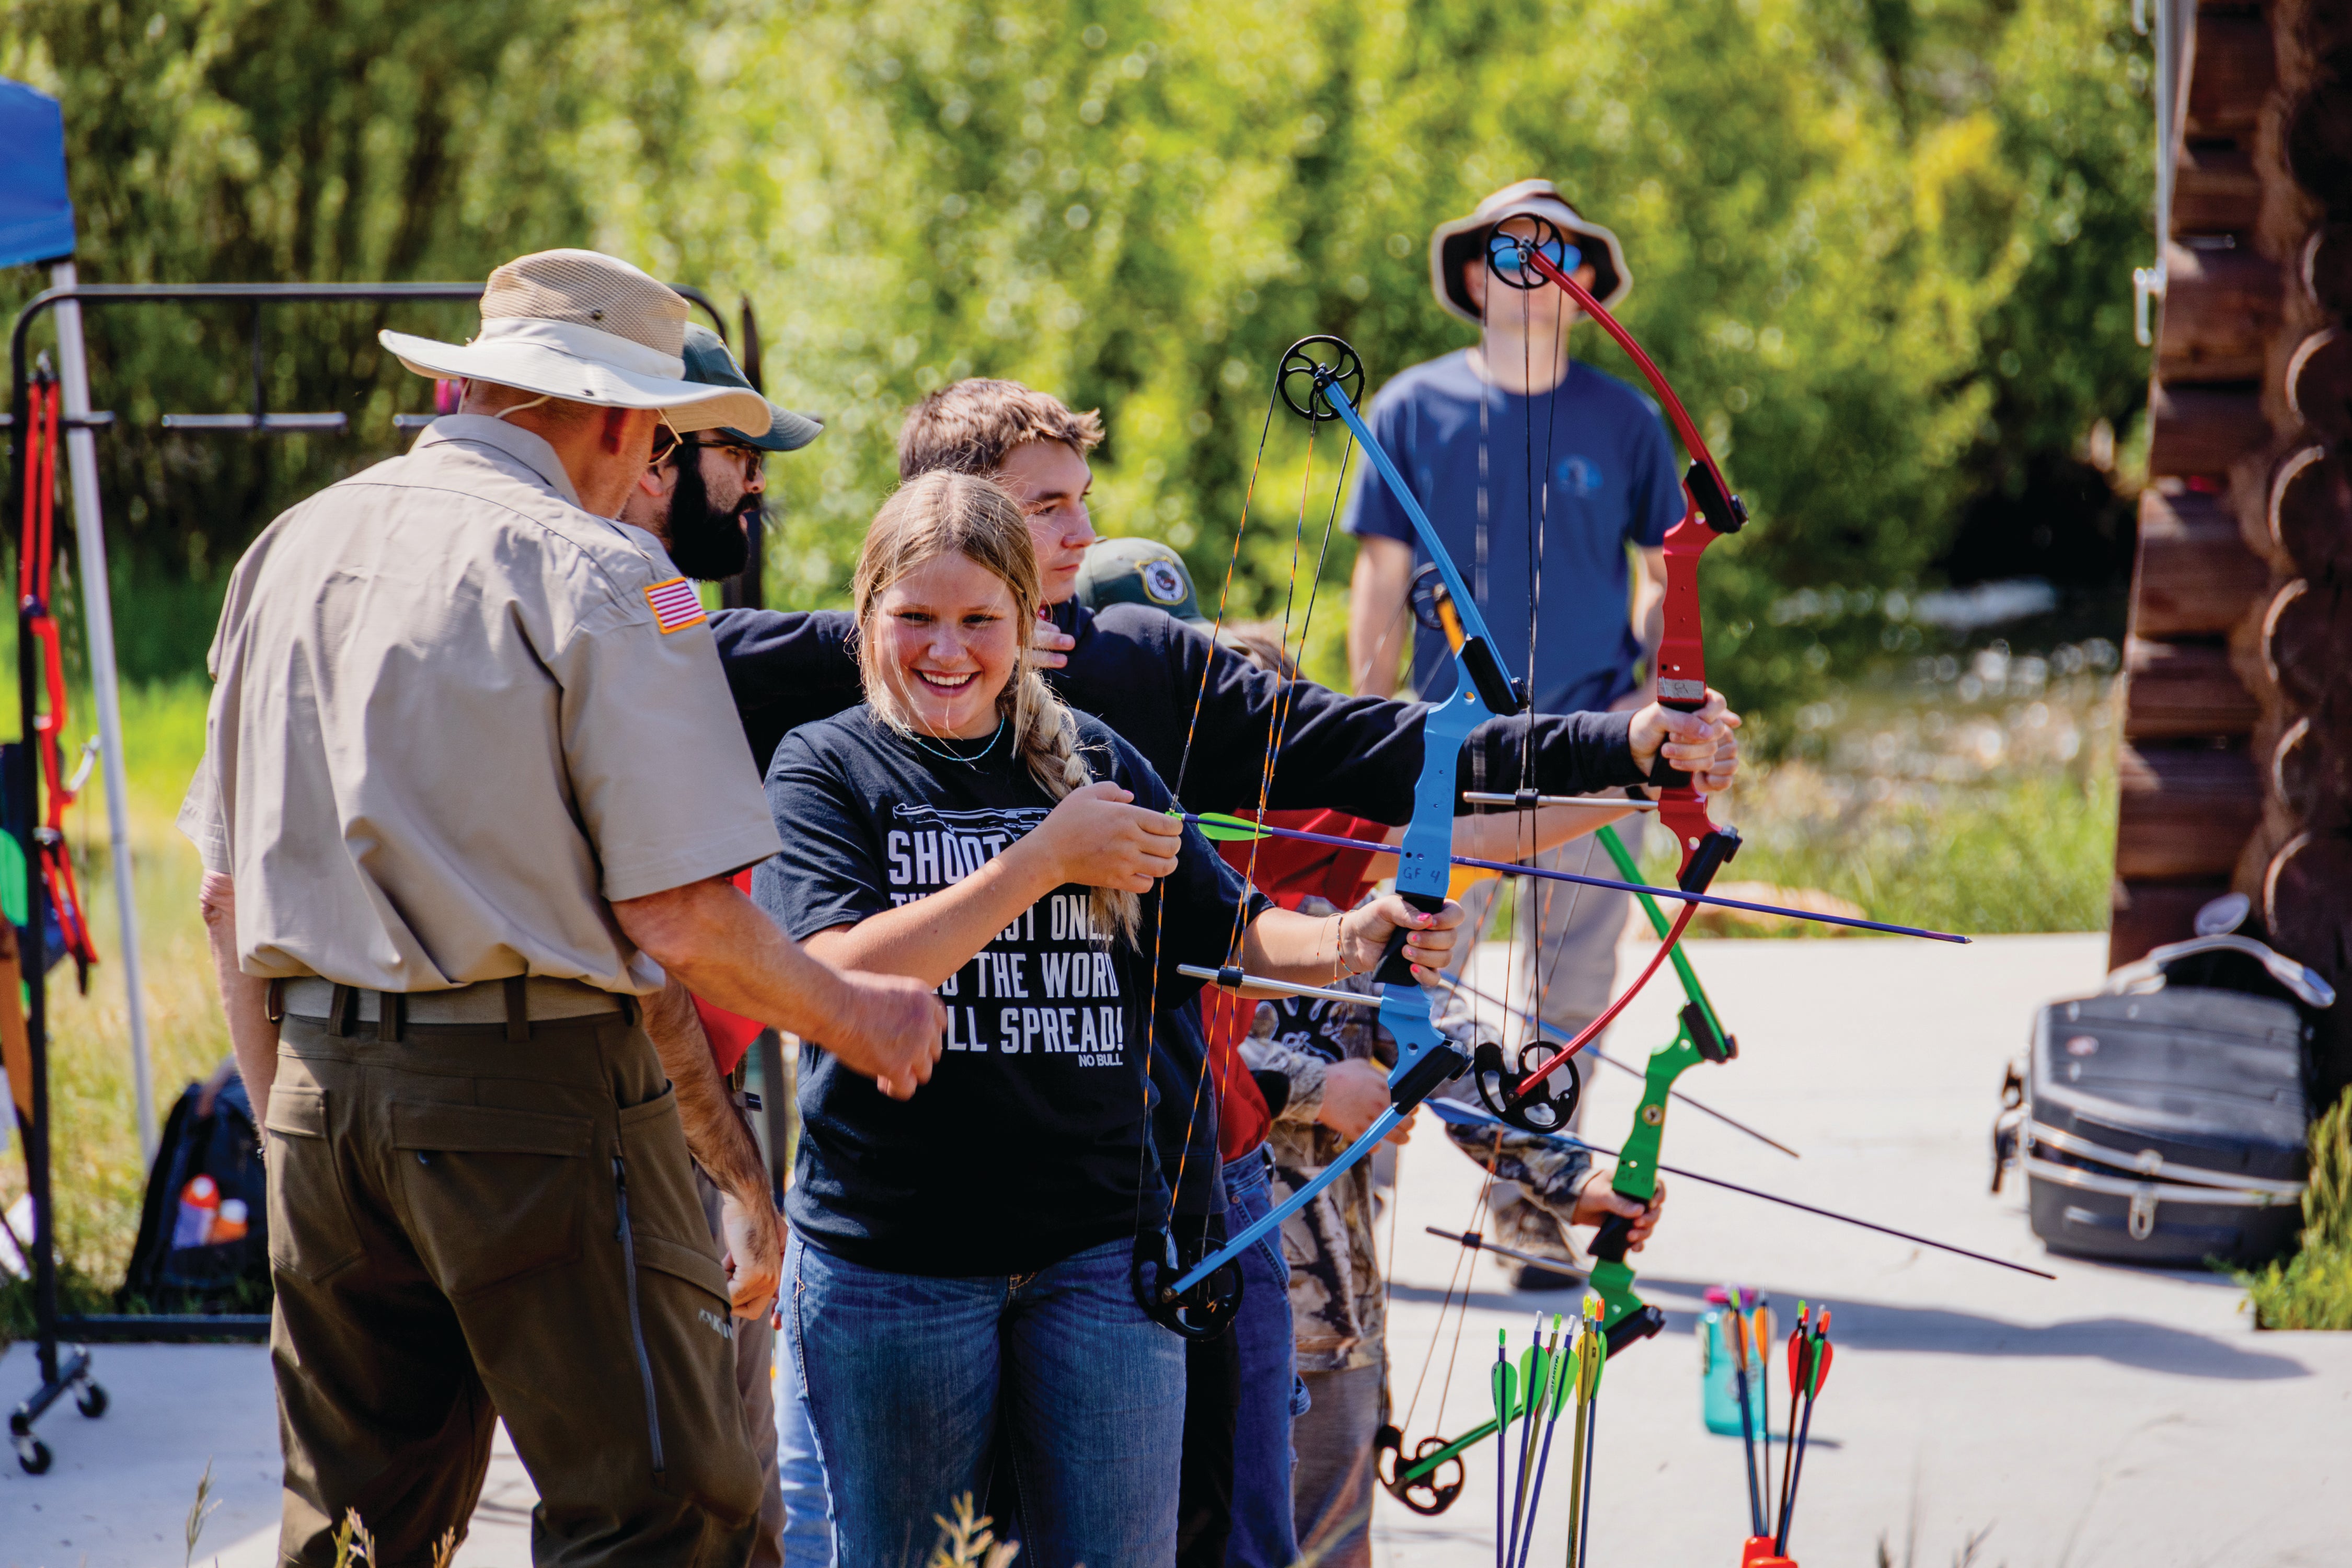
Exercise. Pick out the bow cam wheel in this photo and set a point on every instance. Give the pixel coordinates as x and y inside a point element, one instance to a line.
<point>1311,366</point>
<point>1537,1110</point>
<point>1429,1494</point>
<point>1205,1312</point>
<point>1506,254</point>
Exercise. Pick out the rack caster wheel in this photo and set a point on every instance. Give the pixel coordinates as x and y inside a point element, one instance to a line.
<point>90,1401</point>
<point>33,1455</point>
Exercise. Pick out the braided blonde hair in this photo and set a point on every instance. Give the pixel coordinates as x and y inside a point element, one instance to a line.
<point>940,513</point>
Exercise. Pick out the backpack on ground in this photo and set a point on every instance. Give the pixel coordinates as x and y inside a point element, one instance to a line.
<point>195,1250</point>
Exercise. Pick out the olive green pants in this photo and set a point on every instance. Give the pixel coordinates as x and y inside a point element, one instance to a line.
<point>462,1228</point>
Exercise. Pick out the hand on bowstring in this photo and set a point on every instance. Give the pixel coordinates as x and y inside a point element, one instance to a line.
<point>1365,930</point>
<point>1704,744</point>
<point>1355,1092</point>
<point>1097,837</point>
<point>1596,1201</point>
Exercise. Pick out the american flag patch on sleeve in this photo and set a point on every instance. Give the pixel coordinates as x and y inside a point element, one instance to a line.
<point>675,606</point>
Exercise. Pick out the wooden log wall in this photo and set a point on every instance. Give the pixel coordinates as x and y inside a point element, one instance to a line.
<point>2237,768</point>
<point>2190,790</point>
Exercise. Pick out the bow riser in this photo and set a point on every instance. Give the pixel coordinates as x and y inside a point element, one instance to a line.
<point>1425,1059</point>
<point>1625,1317</point>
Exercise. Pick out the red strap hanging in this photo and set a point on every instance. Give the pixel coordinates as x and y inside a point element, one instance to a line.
<point>35,564</point>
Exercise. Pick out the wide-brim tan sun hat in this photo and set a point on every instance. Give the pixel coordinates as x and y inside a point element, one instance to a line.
<point>587,328</point>
<point>1455,244</point>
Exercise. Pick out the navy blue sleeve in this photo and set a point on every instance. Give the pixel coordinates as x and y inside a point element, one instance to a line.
<point>1143,671</point>
<point>1140,670</point>
<point>786,671</point>
<point>1372,507</point>
<point>1654,501</point>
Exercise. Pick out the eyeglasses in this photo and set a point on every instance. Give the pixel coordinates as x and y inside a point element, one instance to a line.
<point>1508,254</point>
<point>749,457</point>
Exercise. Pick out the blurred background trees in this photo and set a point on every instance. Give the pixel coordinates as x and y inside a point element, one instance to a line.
<point>1882,246</point>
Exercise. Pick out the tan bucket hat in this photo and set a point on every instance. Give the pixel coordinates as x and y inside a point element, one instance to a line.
<point>588,328</point>
<point>1463,240</point>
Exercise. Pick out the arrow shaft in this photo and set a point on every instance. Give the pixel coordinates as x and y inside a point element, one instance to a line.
<point>1477,1243</point>
<point>1512,868</point>
<point>1463,1115</point>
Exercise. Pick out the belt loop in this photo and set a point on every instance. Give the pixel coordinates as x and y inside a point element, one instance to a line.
<point>389,1008</point>
<point>518,1010</point>
<point>342,1010</point>
<point>630,1012</point>
<point>273,1006</point>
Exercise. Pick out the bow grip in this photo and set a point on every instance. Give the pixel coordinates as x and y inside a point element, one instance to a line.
<point>1393,969</point>
<point>1615,1235</point>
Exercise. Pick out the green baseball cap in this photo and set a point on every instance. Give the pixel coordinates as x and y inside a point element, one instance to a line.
<point>1139,572</point>
<point>708,362</point>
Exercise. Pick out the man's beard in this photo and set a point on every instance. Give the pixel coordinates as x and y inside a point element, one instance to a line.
<point>704,543</point>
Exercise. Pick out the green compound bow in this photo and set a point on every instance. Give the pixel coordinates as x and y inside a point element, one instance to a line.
<point>1416,1482</point>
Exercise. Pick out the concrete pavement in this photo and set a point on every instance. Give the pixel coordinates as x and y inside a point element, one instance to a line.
<point>2118,1417</point>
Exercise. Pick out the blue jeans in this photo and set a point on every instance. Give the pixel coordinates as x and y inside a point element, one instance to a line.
<point>907,1376</point>
<point>808,1513</point>
<point>1264,1534</point>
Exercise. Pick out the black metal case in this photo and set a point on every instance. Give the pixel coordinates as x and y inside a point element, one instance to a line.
<point>2167,1127</point>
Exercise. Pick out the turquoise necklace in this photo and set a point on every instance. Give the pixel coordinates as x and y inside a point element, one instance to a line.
<point>955,756</point>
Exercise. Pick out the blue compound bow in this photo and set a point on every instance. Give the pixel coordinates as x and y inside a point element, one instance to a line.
<point>1322,380</point>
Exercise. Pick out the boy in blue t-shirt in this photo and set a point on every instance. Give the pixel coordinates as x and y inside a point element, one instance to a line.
<point>1552,484</point>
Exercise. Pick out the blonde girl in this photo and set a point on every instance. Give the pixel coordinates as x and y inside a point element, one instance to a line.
<point>958,1276</point>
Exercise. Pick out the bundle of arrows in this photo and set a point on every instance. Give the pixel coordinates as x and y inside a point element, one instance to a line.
<point>1750,1335</point>
<point>1546,1379</point>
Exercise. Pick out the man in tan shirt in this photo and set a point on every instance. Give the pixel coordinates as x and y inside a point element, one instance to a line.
<point>472,784</point>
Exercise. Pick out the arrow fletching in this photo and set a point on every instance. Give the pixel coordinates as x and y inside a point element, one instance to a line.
<point>1222,827</point>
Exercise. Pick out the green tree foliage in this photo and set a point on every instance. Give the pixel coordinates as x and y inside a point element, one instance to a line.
<point>218,140</point>
<point>1882,246</point>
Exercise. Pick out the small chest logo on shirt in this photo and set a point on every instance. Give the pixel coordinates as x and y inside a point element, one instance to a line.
<point>675,606</point>
<point>1578,476</point>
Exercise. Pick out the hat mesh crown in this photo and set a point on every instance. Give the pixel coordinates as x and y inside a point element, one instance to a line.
<point>591,290</point>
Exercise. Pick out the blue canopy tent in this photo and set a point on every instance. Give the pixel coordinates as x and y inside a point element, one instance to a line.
<point>36,221</point>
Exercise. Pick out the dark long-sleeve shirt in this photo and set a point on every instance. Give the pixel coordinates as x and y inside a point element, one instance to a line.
<point>1140,670</point>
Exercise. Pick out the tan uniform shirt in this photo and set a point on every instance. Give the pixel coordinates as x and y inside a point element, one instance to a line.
<point>448,726</point>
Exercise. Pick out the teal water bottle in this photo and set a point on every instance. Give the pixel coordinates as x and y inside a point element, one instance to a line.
<point>1718,1380</point>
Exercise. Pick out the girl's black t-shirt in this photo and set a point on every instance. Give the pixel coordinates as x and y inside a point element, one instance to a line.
<point>1030,1141</point>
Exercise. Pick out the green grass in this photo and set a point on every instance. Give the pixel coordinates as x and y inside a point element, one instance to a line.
<point>2032,853</point>
<point>2313,1289</point>
<point>1983,807</point>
